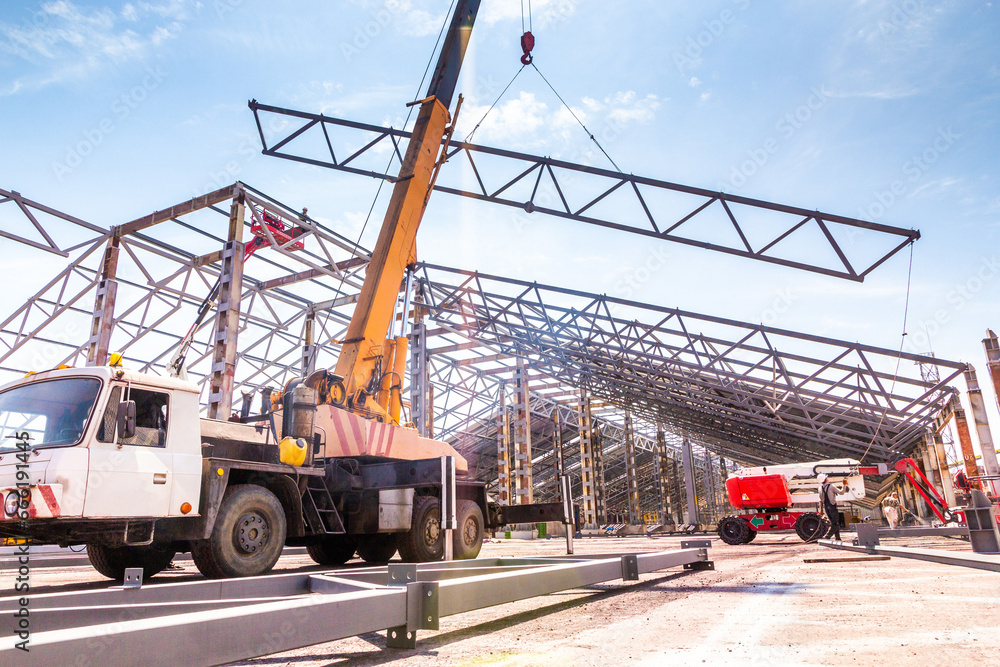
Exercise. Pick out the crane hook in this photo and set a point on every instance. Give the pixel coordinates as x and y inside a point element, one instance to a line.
<point>527,44</point>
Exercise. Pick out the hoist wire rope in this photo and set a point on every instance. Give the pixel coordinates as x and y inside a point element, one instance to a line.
<point>899,355</point>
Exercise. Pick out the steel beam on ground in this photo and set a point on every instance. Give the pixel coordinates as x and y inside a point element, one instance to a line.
<point>978,561</point>
<point>247,618</point>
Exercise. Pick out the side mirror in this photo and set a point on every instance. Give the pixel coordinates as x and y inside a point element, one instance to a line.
<point>126,420</point>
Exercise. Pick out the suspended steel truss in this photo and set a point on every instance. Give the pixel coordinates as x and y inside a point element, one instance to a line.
<point>775,233</point>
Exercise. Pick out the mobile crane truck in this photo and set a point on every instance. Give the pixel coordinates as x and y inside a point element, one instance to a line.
<point>121,461</point>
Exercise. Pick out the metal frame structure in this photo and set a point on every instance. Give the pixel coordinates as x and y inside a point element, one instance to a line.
<point>727,223</point>
<point>215,622</point>
<point>729,389</point>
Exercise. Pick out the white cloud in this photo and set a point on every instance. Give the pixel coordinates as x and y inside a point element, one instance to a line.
<point>509,121</point>
<point>527,123</point>
<point>694,82</point>
<point>66,42</point>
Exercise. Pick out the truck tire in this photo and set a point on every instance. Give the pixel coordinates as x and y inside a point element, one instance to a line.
<point>113,561</point>
<point>468,539</point>
<point>248,537</point>
<point>810,526</point>
<point>751,536</point>
<point>733,530</point>
<point>377,548</point>
<point>333,549</point>
<point>425,540</point>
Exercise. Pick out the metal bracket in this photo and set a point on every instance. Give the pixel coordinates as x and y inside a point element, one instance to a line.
<point>422,609</point>
<point>133,577</point>
<point>402,574</point>
<point>696,544</point>
<point>700,565</point>
<point>630,568</point>
<point>867,534</point>
<point>399,637</point>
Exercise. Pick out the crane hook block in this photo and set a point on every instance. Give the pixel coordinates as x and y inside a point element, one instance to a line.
<point>527,44</point>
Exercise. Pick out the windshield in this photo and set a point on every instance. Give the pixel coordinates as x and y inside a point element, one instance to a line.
<point>54,412</point>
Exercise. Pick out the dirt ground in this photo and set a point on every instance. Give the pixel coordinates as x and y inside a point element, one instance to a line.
<point>762,605</point>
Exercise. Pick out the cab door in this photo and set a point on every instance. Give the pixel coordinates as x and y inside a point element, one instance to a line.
<point>131,477</point>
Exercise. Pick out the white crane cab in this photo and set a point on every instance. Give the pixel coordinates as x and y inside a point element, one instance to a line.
<point>64,455</point>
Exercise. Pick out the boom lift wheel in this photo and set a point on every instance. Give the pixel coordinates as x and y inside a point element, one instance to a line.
<point>333,549</point>
<point>425,540</point>
<point>469,536</point>
<point>751,534</point>
<point>248,537</point>
<point>377,548</point>
<point>733,530</point>
<point>810,526</point>
<point>113,561</point>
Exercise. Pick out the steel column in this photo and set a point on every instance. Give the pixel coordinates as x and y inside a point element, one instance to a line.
<point>104,306</point>
<point>557,444</point>
<point>503,450</point>
<point>676,495</point>
<point>309,349</point>
<point>689,482</point>
<point>631,474</point>
<point>662,483</point>
<point>972,468</point>
<point>992,346</point>
<point>587,464</point>
<point>524,493</point>
<point>990,465</point>
<point>227,323</point>
<point>599,482</point>
<point>419,377</point>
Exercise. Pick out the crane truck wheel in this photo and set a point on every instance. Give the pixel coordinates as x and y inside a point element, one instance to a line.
<point>733,530</point>
<point>248,537</point>
<point>810,526</point>
<point>751,534</point>
<point>377,548</point>
<point>469,536</point>
<point>113,561</point>
<point>333,549</point>
<point>425,540</point>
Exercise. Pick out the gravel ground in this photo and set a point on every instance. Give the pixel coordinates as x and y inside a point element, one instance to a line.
<point>762,605</point>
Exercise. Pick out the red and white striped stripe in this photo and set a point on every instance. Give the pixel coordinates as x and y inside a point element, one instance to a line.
<point>44,502</point>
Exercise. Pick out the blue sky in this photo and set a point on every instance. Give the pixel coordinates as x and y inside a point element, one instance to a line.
<point>111,110</point>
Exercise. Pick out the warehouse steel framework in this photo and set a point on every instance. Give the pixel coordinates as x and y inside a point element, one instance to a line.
<point>645,407</point>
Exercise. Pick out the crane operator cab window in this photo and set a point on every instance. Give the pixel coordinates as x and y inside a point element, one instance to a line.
<point>150,418</point>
